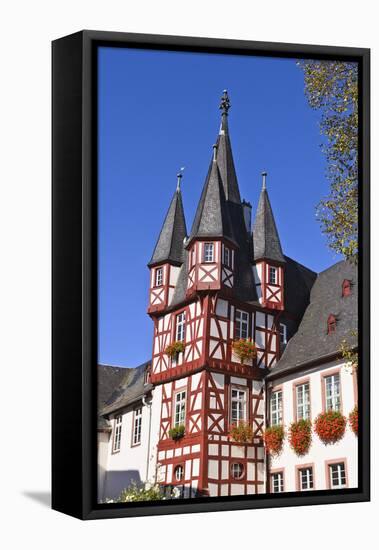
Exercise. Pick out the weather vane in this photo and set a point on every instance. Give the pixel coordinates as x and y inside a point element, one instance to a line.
<point>179,175</point>
<point>225,103</point>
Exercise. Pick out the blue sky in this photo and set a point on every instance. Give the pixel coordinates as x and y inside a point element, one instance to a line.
<point>158,111</point>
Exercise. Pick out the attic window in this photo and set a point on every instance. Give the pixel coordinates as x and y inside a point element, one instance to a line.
<point>332,324</point>
<point>346,288</point>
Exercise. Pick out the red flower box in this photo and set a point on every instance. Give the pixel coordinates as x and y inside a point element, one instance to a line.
<point>330,426</point>
<point>241,432</point>
<point>300,436</point>
<point>353,420</point>
<point>244,348</point>
<point>273,439</point>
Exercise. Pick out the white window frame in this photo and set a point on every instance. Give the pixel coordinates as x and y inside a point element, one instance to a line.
<point>303,401</point>
<point>158,281</point>
<point>238,396</point>
<point>237,467</point>
<point>283,333</point>
<point>340,469</point>
<point>208,253</point>
<point>332,388</point>
<point>180,328</point>
<point>276,408</point>
<point>306,482</point>
<point>117,433</point>
<point>227,256</point>
<point>180,403</point>
<point>272,270</point>
<point>179,469</point>
<point>137,426</point>
<point>277,482</point>
<point>242,319</point>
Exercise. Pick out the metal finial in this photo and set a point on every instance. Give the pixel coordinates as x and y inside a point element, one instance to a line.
<point>225,103</point>
<point>179,175</point>
<point>214,153</point>
<point>264,175</point>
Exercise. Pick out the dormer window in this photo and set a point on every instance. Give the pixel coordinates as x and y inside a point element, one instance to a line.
<point>208,252</point>
<point>159,276</point>
<point>346,288</point>
<point>272,275</point>
<point>332,324</point>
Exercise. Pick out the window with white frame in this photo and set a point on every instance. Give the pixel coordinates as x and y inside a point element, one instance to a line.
<point>277,482</point>
<point>303,402</point>
<point>208,252</point>
<point>237,470</point>
<point>272,275</point>
<point>337,476</point>
<point>159,276</point>
<point>238,405</point>
<point>276,408</point>
<point>227,256</point>
<point>181,327</point>
<point>179,472</point>
<point>117,433</point>
<point>180,408</point>
<point>283,334</point>
<point>137,426</point>
<point>241,324</point>
<point>332,392</point>
<point>305,478</point>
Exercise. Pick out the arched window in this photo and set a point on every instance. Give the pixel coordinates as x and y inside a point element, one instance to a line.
<point>346,288</point>
<point>237,470</point>
<point>332,324</point>
<point>179,472</point>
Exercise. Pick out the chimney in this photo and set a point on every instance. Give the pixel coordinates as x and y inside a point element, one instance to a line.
<point>247,215</point>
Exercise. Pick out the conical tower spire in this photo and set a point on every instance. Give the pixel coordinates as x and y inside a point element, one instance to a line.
<point>212,217</point>
<point>169,247</point>
<point>225,156</point>
<point>265,234</point>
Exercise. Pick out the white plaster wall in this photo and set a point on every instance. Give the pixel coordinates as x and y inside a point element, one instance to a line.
<point>103,439</point>
<point>318,453</point>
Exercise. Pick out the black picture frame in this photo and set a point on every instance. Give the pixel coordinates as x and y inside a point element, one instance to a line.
<point>74,272</point>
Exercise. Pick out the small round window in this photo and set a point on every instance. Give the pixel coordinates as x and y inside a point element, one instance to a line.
<point>179,473</point>
<point>237,470</point>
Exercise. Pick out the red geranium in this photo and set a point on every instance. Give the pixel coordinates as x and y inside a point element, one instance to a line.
<point>353,420</point>
<point>244,348</point>
<point>330,426</point>
<point>300,436</point>
<point>273,439</point>
<point>241,432</point>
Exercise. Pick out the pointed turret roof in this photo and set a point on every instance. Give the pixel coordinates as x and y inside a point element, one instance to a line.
<point>169,245</point>
<point>212,217</point>
<point>265,234</point>
<point>225,156</point>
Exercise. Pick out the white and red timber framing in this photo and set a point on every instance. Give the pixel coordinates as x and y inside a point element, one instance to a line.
<point>222,281</point>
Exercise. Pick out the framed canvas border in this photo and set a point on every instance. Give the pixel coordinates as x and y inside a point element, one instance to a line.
<point>74,273</point>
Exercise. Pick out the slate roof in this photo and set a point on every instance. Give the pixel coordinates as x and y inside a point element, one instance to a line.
<point>130,390</point>
<point>108,378</point>
<point>265,234</point>
<point>298,282</point>
<point>226,163</point>
<point>212,217</point>
<point>169,245</point>
<point>312,342</point>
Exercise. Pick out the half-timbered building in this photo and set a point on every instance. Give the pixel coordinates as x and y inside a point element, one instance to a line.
<point>225,280</point>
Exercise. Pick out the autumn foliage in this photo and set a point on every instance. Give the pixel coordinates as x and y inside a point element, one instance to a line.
<point>330,426</point>
<point>300,436</point>
<point>273,439</point>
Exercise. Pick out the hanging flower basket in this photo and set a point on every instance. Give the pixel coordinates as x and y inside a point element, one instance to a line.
<point>174,349</point>
<point>300,436</point>
<point>245,349</point>
<point>177,432</point>
<point>330,426</point>
<point>353,420</point>
<point>241,432</point>
<point>273,439</point>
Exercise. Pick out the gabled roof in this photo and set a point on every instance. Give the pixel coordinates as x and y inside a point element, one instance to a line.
<point>312,342</point>
<point>169,246</point>
<point>108,378</point>
<point>212,217</point>
<point>130,390</point>
<point>265,234</point>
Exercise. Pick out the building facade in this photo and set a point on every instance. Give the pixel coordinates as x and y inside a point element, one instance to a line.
<point>170,420</point>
